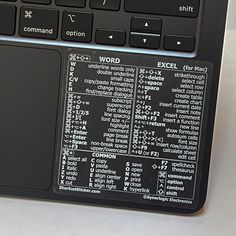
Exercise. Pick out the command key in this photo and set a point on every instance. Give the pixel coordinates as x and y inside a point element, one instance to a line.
<point>38,23</point>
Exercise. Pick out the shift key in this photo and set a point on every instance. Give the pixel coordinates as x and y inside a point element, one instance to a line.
<point>38,23</point>
<point>186,8</point>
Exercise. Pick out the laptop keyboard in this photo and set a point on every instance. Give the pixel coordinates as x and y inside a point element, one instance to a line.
<point>72,24</point>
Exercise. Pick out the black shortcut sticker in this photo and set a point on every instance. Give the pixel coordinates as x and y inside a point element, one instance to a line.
<point>131,127</point>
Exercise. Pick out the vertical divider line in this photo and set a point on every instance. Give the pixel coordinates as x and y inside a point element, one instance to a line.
<point>133,110</point>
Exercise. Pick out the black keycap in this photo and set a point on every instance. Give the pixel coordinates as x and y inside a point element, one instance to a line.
<point>139,40</point>
<point>77,26</point>
<point>188,8</point>
<point>113,5</point>
<point>71,3</point>
<point>38,1</point>
<point>146,25</point>
<point>110,37</point>
<point>7,19</point>
<point>38,23</point>
<point>179,43</point>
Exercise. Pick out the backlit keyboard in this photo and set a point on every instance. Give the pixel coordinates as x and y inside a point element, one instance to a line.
<point>139,24</point>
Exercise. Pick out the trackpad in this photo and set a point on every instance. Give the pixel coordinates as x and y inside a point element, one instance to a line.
<point>29,82</point>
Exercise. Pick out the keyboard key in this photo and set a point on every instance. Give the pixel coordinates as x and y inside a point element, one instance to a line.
<point>71,3</point>
<point>139,40</point>
<point>188,8</point>
<point>77,26</point>
<point>179,43</point>
<point>7,19</point>
<point>38,1</point>
<point>146,25</point>
<point>112,5</point>
<point>110,37</point>
<point>38,23</point>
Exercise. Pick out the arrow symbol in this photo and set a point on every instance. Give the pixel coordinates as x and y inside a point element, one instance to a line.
<point>161,192</point>
<point>161,140</point>
<point>146,25</point>
<point>144,40</point>
<point>179,43</point>
<point>110,37</point>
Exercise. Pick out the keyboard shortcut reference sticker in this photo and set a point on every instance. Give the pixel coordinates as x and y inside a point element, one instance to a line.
<point>131,127</point>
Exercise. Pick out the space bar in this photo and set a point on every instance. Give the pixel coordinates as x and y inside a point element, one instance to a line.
<point>186,8</point>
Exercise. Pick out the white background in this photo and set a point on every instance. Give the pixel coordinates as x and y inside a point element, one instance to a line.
<point>33,218</point>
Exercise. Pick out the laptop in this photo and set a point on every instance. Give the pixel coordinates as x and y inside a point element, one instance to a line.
<point>109,102</point>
